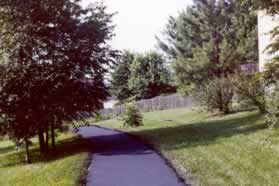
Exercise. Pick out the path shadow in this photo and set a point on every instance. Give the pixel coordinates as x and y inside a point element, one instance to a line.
<point>118,144</point>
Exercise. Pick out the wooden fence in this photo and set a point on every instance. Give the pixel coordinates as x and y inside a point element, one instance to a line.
<point>157,103</point>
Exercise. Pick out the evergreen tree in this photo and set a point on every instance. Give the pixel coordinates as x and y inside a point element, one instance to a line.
<point>271,6</point>
<point>210,40</point>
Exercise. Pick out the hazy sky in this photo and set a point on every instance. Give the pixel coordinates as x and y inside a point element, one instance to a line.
<point>138,21</point>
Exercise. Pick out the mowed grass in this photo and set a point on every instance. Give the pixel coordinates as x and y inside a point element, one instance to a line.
<point>237,149</point>
<point>64,166</point>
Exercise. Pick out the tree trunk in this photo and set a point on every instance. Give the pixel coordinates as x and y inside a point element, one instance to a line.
<point>47,140</point>
<point>41,141</point>
<point>27,153</point>
<point>52,136</point>
<point>221,103</point>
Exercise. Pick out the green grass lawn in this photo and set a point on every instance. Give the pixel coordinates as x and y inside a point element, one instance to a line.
<point>62,167</point>
<point>236,149</point>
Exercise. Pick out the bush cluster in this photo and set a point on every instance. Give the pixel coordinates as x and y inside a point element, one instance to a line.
<point>250,91</point>
<point>216,95</point>
<point>272,116</point>
<point>219,94</point>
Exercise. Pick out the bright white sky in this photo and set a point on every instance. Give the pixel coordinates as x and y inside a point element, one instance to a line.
<point>138,21</point>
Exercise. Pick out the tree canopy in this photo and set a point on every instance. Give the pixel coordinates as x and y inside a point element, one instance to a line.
<point>54,57</point>
<point>149,76</point>
<point>271,6</point>
<point>141,76</point>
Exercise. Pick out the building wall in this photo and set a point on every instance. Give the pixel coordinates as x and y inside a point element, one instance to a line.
<point>266,24</point>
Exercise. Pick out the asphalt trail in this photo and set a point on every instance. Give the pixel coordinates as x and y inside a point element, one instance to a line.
<point>121,160</point>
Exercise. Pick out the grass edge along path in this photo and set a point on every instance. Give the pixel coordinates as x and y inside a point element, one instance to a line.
<point>65,166</point>
<point>237,149</point>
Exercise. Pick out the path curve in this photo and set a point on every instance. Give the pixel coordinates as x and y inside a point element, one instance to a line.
<point>121,160</point>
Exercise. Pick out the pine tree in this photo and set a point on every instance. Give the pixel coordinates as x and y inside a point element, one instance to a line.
<point>210,40</point>
<point>271,6</point>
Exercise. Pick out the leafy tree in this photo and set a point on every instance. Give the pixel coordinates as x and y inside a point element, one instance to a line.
<point>149,76</point>
<point>55,55</point>
<point>120,77</point>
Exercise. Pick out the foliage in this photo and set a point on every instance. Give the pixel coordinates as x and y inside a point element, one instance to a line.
<point>99,117</point>
<point>132,116</point>
<point>271,76</point>
<point>55,56</point>
<point>244,34</point>
<point>121,75</point>
<point>140,76</point>
<point>149,76</point>
<point>271,6</point>
<point>209,40</point>
<point>272,117</point>
<point>216,94</point>
<point>251,90</point>
<point>271,73</point>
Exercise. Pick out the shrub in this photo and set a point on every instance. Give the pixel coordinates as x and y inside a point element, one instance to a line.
<point>99,117</point>
<point>132,116</point>
<point>271,81</point>
<point>250,91</point>
<point>216,94</point>
<point>272,100</point>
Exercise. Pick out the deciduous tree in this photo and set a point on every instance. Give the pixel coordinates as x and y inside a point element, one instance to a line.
<point>54,58</point>
<point>150,76</point>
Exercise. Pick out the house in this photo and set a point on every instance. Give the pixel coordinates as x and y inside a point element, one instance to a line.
<point>266,24</point>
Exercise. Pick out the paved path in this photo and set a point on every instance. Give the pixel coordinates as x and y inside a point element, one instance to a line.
<point>120,160</point>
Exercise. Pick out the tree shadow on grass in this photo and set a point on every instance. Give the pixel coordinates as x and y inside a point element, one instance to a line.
<point>203,133</point>
<point>176,137</point>
<point>7,149</point>
<point>64,148</point>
